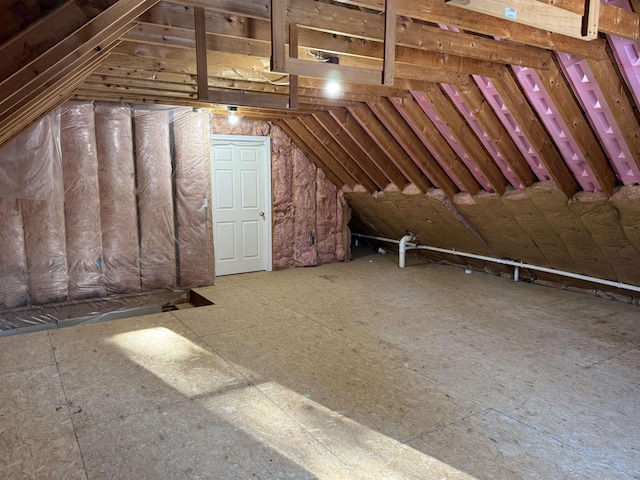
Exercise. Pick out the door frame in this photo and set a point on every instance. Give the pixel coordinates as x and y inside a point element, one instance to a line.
<point>268,203</point>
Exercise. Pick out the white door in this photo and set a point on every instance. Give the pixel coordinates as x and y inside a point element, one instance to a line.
<point>241,196</point>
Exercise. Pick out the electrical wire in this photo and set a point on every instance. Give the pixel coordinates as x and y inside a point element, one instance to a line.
<point>318,56</point>
<point>274,82</point>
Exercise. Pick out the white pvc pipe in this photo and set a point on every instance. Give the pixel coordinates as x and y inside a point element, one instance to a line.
<point>403,249</point>
<point>502,261</point>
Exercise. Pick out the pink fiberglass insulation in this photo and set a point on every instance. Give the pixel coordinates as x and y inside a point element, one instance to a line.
<point>30,165</point>
<point>43,222</point>
<point>45,250</point>
<point>343,234</point>
<point>13,288</point>
<point>283,210</point>
<point>155,199</point>
<point>116,175</point>
<point>190,134</point>
<point>220,126</point>
<point>283,239</point>
<point>305,211</point>
<point>81,200</point>
<point>326,218</point>
<point>282,170</point>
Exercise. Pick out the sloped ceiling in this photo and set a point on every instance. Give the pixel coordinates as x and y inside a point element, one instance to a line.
<point>479,104</point>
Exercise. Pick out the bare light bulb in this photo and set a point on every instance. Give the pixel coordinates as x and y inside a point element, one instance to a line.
<point>234,119</point>
<point>333,88</point>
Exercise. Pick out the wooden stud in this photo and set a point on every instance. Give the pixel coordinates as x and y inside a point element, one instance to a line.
<point>389,56</point>
<point>170,20</point>
<point>201,52</point>
<point>535,14</point>
<point>277,36</point>
<point>621,106</point>
<point>293,79</point>
<point>311,155</point>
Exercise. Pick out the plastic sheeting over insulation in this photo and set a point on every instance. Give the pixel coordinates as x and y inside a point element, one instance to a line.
<point>102,199</point>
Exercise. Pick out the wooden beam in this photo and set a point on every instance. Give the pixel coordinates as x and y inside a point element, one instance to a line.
<point>247,99</point>
<point>431,133</point>
<point>370,149</point>
<point>404,135</point>
<point>538,15</point>
<point>201,52</point>
<point>339,154</point>
<point>579,126</point>
<point>389,56</point>
<point>439,12</point>
<point>385,141</point>
<point>316,152</point>
<point>465,137</point>
<point>486,117</point>
<point>351,149</point>
<point>342,73</point>
<point>531,127</point>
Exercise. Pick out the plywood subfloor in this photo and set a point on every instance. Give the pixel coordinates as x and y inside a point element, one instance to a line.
<point>357,370</point>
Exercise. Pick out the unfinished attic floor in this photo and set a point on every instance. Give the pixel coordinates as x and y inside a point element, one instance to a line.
<point>357,370</point>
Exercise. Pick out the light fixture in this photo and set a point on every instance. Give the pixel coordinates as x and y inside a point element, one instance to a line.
<point>234,119</point>
<point>333,88</point>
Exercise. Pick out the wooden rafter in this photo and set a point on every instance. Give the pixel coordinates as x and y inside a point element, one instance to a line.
<point>532,128</point>
<point>338,154</point>
<point>316,152</point>
<point>350,148</point>
<point>389,145</point>
<point>351,127</point>
<point>439,143</point>
<point>465,137</point>
<point>486,117</point>
<point>414,147</point>
<point>574,118</point>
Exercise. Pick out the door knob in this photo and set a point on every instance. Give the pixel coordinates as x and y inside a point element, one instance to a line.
<point>261,214</point>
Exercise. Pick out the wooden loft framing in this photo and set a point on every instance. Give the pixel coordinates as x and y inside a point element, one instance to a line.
<point>294,66</point>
